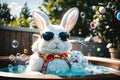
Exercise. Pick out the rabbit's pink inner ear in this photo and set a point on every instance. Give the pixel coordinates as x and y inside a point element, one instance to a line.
<point>71,21</point>
<point>39,21</point>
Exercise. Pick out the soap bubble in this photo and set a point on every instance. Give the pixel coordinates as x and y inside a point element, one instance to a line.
<point>15,43</point>
<point>95,32</point>
<point>107,27</point>
<point>98,49</point>
<point>23,57</point>
<point>115,13</point>
<point>102,10</point>
<point>11,57</point>
<point>18,55</point>
<point>92,25</point>
<point>21,68</point>
<point>25,51</point>
<point>109,5</point>
<point>10,67</point>
<point>82,14</point>
<point>114,7</point>
<point>118,16</point>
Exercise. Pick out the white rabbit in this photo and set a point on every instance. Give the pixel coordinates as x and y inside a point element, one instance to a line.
<point>77,61</point>
<point>54,42</point>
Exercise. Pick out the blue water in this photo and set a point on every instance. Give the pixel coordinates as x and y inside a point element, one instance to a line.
<point>89,70</point>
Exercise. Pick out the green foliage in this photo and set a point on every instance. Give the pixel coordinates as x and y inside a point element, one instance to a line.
<point>108,29</point>
<point>25,12</point>
<point>56,9</point>
<point>24,20</point>
<point>4,14</point>
<point>20,22</point>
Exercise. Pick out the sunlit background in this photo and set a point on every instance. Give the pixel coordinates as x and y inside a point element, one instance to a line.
<point>16,5</point>
<point>98,22</point>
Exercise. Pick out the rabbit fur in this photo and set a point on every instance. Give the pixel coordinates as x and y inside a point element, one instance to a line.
<point>77,61</point>
<point>47,47</point>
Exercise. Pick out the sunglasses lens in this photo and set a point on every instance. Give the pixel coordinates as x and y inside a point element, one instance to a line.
<point>47,35</point>
<point>64,36</point>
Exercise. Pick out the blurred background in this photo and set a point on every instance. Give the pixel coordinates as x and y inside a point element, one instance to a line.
<point>98,22</point>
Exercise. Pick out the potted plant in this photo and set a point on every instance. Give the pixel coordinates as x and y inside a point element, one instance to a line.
<point>106,25</point>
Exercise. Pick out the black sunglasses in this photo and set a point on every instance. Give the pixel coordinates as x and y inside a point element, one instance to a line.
<point>49,35</point>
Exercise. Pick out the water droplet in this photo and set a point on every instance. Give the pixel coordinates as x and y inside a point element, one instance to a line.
<point>15,44</point>
<point>11,57</point>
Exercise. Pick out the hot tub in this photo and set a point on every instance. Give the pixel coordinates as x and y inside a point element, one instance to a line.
<point>112,63</point>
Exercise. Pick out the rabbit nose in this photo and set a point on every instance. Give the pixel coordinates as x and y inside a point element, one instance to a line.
<point>56,44</point>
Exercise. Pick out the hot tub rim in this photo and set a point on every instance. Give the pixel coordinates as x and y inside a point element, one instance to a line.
<point>90,58</point>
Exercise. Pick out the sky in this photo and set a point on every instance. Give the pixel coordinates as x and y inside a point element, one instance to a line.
<point>16,5</point>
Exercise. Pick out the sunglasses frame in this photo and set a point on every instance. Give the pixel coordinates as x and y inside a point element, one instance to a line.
<point>62,36</point>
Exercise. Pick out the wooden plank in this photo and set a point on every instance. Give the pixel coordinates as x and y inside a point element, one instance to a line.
<point>27,41</point>
<point>18,38</point>
<point>1,42</point>
<point>30,43</point>
<point>7,42</point>
<point>12,37</point>
<point>24,42</point>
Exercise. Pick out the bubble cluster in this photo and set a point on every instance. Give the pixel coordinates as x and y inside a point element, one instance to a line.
<point>18,56</point>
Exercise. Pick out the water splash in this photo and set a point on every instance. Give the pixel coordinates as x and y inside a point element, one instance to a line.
<point>10,67</point>
<point>21,68</point>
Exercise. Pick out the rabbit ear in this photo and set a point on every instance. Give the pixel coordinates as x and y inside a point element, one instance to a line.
<point>70,19</point>
<point>41,20</point>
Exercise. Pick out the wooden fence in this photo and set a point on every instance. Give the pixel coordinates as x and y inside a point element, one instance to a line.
<point>25,38</point>
<point>22,35</point>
